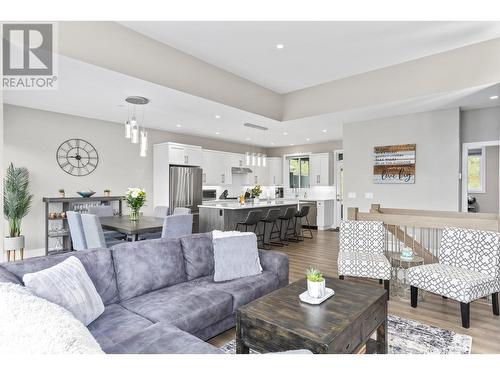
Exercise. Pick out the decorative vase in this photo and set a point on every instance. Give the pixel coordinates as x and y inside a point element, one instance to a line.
<point>107,193</point>
<point>134,214</point>
<point>256,200</point>
<point>62,194</point>
<point>316,289</point>
<point>13,243</point>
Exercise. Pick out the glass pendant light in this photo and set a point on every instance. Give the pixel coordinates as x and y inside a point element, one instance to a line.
<point>264,157</point>
<point>247,159</point>
<point>144,143</point>
<point>258,159</point>
<point>128,129</point>
<point>135,130</point>
<point>253,159</point>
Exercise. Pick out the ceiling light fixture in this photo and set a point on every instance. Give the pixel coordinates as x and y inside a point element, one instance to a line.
<point>285,133</point>
<point>217,133</point>
<point>179,125</point>
<point>217,116</point>
<point>280,46</point>
<point>494,97</point>
<point>324,130</point>
<point>308,139</point>
<point>133,130</point>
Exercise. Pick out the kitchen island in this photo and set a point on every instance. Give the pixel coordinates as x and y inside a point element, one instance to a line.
<point>225,215</point>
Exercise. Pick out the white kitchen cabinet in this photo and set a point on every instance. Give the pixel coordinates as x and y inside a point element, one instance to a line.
<point>274,171</point>
<point>325,212</point>
<point>321,169</point>
<point>179,154</point>
<point>217,167</point>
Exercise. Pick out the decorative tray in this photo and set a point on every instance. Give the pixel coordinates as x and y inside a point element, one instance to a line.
<point>304,297</point>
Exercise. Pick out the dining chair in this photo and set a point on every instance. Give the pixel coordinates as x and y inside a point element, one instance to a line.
<point>176,226</point>
<point>182,211</point>
<point>161,211</point>
<point>94,235</point>
<point>105,211</point>
<point>76,230</point>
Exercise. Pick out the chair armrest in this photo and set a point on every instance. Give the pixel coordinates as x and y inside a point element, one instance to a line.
<point>275,262</point>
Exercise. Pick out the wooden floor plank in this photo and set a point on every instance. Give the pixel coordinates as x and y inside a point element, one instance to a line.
<point>321,252</point>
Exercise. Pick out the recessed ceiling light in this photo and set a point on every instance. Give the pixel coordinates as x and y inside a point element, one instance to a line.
<point>285,133</point>
<point>272,143</point>
<point>248,139</point>
<point>217,116</point>
<point>217,133</point>
<point>324,130</point>
<point>308,139</point>
<point>280,46</point>
<point>494,97</point>
<point>179,125</point>
<point>292,144</point>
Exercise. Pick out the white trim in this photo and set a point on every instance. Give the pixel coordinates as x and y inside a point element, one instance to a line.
<point>464,174</point>
<point>337,206</point>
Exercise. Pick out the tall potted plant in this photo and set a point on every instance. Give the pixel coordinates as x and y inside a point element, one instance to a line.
<point>16,204</point>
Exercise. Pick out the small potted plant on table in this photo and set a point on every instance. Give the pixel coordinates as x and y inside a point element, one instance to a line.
<point>16,205</point>
<point>315,283</point>
<point>107,192</point>
<point>62,193</point>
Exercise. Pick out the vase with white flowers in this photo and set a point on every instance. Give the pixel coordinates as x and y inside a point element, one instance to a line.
<point>135,198</point>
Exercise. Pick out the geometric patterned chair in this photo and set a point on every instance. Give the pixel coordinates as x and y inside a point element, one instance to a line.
<point>362,245</point>
<point>468,269</point>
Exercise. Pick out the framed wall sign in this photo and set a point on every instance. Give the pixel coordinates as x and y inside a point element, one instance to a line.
<point>394,164</point>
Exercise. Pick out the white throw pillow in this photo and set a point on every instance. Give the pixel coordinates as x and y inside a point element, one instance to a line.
<point>32,325</point>
<point>67,284</point>
<point>235,255</point>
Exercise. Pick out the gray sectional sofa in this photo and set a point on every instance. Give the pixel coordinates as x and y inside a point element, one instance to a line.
<point>159,295</point>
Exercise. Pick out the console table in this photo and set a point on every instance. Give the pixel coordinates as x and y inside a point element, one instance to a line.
<point>69,204</point>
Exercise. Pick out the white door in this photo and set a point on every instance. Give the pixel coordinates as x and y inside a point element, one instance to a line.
<point>339,186</point>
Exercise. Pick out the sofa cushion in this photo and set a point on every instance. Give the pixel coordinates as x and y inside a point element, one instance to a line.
<point>115,325</point>
<point>163,338</point>
<point>243,290</point>
<point>187,306</point>
<point>145,266</point>
<point>97,262</point>
<point>198,255</point>
<point>68,285</point>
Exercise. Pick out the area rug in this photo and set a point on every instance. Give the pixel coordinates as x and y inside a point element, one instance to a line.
<point>410,337</point>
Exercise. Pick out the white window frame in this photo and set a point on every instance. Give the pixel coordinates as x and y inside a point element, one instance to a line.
<point>482,188</point>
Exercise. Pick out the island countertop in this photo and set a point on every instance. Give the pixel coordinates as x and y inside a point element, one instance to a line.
<point>234,205</point>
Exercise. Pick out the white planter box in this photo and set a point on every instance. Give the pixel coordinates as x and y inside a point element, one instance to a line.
<point>316,289</point>
<point>13,243</point>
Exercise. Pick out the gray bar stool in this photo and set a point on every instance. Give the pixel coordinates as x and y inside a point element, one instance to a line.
<point>271,217</point>
<point>253,219</point>
<point>289,232</point>
<point>304,211</point>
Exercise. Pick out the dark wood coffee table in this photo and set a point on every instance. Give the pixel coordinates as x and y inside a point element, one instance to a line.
<point>342,324</point>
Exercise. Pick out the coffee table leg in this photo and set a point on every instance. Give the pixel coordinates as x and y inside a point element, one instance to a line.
<point>382,342</point>
<point>241,348</point>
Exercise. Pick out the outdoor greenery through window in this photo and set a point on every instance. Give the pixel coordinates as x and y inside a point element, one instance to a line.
<point>299,172</point>
<point>475,170</point>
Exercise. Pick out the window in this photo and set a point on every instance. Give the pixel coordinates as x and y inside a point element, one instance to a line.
<point>476,170</point>
<point>298,171</point>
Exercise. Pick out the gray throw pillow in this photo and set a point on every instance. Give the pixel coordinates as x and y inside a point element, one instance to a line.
<point>67,284</point>
<point>235,255</point>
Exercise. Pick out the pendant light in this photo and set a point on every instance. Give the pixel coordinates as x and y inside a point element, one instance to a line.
<point>247,159</point>
<point>144,143</point>
<point>264,157</point>
<point>258,159</point>
<point>253,159</point>
<point>133,131</point>
<point>128,127</point>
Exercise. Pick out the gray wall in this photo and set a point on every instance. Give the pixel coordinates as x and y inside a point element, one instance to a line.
<point>314,148</point>
<point>479,125</point>
<point>488,201</point>
<point>33,136</point>
<point>436,186</point>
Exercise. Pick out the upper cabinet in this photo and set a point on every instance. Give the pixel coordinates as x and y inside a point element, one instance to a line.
<point>321,169</point>
<point>217,166</point>
<point>180,154</point>
<point>274,170</point>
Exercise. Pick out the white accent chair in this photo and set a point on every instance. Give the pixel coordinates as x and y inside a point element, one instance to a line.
<point>94,235</point>
<point>362,246</point>
<point>176,226</point>
<point>76,230</point>
<point>468,269</point>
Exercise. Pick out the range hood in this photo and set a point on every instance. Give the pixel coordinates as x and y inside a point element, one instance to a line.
<point>240,170</point>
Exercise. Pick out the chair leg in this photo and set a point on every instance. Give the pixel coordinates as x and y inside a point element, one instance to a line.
<point>465,312</point>
<point>380,281</point>
<point>494,303</point>
<point>309,229</point>
<point>387,286</point>
<point>444,297</point>
<point>341,277</point>
<point>414,295</point>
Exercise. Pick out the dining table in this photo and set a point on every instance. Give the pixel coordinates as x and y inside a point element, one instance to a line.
<point>133,229</point>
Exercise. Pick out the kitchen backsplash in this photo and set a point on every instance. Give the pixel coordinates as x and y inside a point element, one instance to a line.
<point>316,192</point>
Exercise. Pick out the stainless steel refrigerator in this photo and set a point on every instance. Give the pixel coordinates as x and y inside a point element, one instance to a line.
<point>186,190</point>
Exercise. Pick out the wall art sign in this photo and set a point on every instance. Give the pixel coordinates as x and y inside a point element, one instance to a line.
<point>394,164</point>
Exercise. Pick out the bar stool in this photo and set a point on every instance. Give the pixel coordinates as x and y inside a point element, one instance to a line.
<point>304,211</point>
<point>253,219</point>
<point>271,217</point>
<point>289,230</point>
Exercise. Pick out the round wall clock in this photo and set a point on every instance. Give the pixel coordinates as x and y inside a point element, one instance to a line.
<point>77,157</point>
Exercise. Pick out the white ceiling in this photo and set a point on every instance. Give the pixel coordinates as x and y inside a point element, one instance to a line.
<point>91,91</point>
<point>315,52</point>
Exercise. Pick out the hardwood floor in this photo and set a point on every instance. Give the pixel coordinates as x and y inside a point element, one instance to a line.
<point>321,252</point>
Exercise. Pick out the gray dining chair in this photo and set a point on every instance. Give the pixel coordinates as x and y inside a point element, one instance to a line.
<point>176,226</point>
<point>94,235</point>
<point>105,211</point>
<point>76,230</point>
<point>161,211</point>
<point>181,211</point>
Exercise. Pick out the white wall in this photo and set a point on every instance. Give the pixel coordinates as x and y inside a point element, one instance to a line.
<point>33,136</point>
<point>436,186</point>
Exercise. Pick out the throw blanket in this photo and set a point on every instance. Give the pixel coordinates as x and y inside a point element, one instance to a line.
<point>32,325</point>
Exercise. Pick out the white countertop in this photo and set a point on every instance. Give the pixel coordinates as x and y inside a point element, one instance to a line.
<point>234,205</point>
